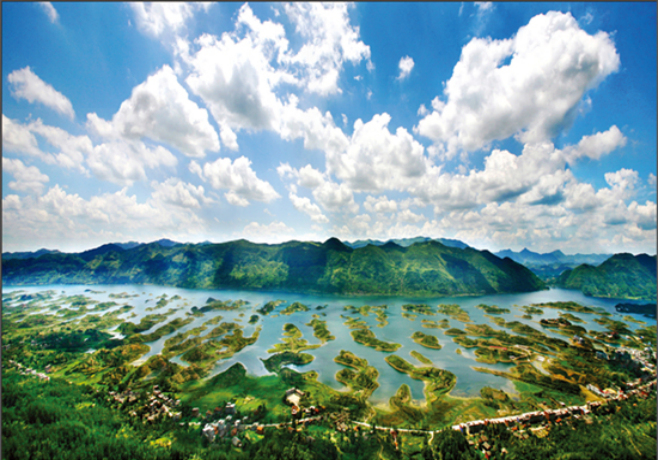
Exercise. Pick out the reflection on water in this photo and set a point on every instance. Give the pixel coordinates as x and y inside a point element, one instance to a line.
<point>398,330</point>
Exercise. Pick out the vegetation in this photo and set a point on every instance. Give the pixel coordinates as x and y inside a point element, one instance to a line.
<point>367,338</point>
<point>622,276</point>
<point>426,340</point>
<point>424,268</point>
<point>493,309</point>
<point>455,312</point>
<point>292,341</point>
<point>359,377</point>
<point>320,329</point>
<point>294,308</point>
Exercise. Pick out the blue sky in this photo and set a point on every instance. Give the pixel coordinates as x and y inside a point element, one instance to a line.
<point>504,125</point>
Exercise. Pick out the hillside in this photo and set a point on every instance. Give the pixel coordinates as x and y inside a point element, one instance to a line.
<point>427,268</point>
<point>623,276</point>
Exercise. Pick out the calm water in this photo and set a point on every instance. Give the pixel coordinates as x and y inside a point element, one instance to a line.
<point>399,329</point>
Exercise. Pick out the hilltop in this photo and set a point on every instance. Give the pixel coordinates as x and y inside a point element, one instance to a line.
<point>621,276</point>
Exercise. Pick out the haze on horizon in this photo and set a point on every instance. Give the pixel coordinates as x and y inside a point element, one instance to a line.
<point>503,125</point>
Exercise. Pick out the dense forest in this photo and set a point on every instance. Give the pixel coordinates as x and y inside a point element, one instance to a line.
<point>55,419</point>
<point>424,268</point>
<point>621,276</point>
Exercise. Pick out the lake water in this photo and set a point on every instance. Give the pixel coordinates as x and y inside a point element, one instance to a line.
<point>399,329</point>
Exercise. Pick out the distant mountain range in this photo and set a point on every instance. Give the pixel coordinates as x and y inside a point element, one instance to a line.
<point>422,268</point>
<point>406,242</point>
<point>621,276</point>
<point>527,258</point>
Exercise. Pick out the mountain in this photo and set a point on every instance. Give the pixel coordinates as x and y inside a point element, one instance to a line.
<point>622,276</point>
<point>26,255</point>
<point>424,268</point>
<point>406,242</point>
<point>527,258</point>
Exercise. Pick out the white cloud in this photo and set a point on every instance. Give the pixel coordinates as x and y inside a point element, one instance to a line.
<point>651,180</point>
<point>553,63</point>
<point>330,41</point>
<point>317,130</point>
<point>406,64</point>
<point>275,232</point>
<point>310,177</point>
<point>380,204</point>
<point>336,198</point>
<point>159,18</point>
<point>408,216</point>
<point>28,178</point>
<point>18,138</point>
<point>484,6</point>
<point>241,181</point>
<point>344,117</point>
<point>27,85</point>
<point>160,109</point>
<point>50,11</point>
<point>178,193</point>
<point>303,204</point>
<point>422,110</point>
<point>623,179</point>
<point>596,145</point>
<point>234,76</point>
<point>124,162</point>
<point>62,220</point>
<point>376,159</point>
<point>72,149</point>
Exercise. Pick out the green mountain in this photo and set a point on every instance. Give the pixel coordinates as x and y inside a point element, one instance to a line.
<point>428,268</point>
<point>622,276</point>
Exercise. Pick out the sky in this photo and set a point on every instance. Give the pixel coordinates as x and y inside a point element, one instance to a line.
<point>503,125</point>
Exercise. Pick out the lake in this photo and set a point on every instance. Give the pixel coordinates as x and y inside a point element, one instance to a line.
<point>399,329</point>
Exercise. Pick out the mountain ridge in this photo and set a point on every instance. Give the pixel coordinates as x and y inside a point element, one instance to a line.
<point>423,268</point>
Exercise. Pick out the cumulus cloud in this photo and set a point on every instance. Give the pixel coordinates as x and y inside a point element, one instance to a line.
<point>160,109</point>
<point>16,137</point>
<point>159,18</point>
<point>376,159</point>
<point>124,162</point>
<point>336,198</point>
<point>406,64</point>
<point>50,11</point>
<point>238,178</point>
<point>234,76</point>
<point>303,204</point>
<point>62,220</point>
<point>330,41</point>
<point>380,204</point>
<point>178,193</point>
<point>596,145</point>
<point>651,180</point>
<point>25,84</point>
<point>552,63</point>
<point>28,178</point>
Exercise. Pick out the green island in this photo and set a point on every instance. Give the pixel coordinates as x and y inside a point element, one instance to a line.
<point>455,312</point>
<point>420,357</point>
<point>292,341</point>
<point>269,307</point>
<point>294,308</point>
<point>367,337</point>
<point>493,309</point>
<point>359,376</point>
<point>429,324</point>
<point>420,309</point>
<point>426,340</point>
<point>320,329</point>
